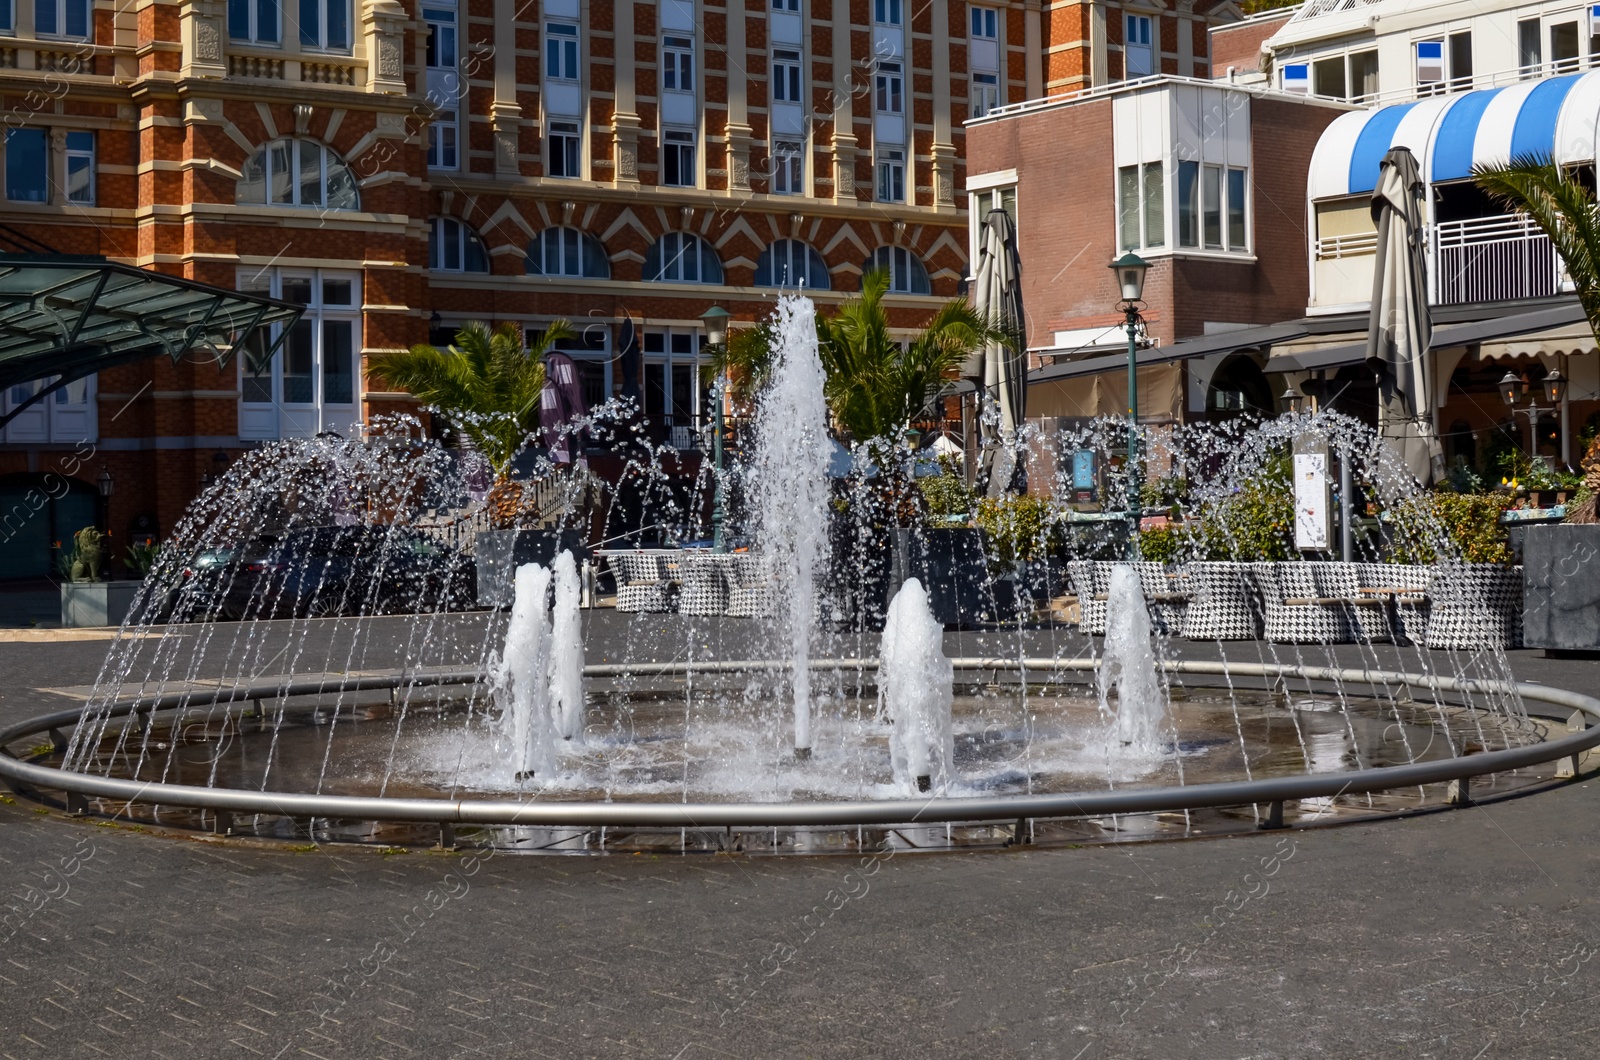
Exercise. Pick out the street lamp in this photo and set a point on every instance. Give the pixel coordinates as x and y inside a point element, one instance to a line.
<point>715,320</point>
<point>1130,270</point>
<point>105,483</point>
<point>1292,400</point>
<point>1552,389</point>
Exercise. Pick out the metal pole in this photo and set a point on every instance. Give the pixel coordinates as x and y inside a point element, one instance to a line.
<point>717,544</point>
<point>1135,485</point>
<point>1346,509</point>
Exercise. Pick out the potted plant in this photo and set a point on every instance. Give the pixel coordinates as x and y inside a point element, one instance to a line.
<point>489,385</point>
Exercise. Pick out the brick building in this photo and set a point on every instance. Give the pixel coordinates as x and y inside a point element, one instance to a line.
<point>403,168</point>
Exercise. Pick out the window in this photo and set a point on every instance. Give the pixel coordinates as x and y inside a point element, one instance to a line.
<point>297,173</point>
<point>8,26</point>
<point>1327,77</point>
<point>256,21</point>
<point>325,24</point>
<point>891,89</point>
<point>1188,204</point>
<point>886,12</point>
<point>1211,206</point>
<point>1564,48</point>
<point>681,257</point>
<point>453,247</point>
<point>786,77</point>
<point>677,158</point>
<point>80,168</point>
<point>1297,78</point>
<point>1237,237</point>
<point>906,273</point>
<point>444,87</point>
<point>985,23</point>
<point>1529,54</point>
<point>567,252</point>
<point>1141,206</point>
<point>566,146</point>
<point>1364,75</point>
<point>674,392</point>
<point>61,18</point>
<point>677,64</point>
<point>1138,56</point>
<point>1430,63</point>
<point>561,51</point>
<point>27,165</point>
<point>1460,61</point>
<point>891,175</point>
<point>311,384</point>
<point>985,93</point>
<point>979,203</point>
<point>788,168</point>
<point>791,263</point>
<point>786,5</point>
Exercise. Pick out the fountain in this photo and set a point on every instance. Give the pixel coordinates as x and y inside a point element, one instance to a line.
<point>914,689</point>
<point>688,732</point>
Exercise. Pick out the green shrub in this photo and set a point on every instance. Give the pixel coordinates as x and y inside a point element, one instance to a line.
<point>1024,527</point>
<point>946,494</point>
<point>1253,524</point>
<point>1469,521</point>
<point>1160,544</point>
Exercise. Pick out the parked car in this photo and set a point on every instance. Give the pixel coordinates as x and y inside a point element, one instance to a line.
<point>324,571</point>
<point>204,584</point>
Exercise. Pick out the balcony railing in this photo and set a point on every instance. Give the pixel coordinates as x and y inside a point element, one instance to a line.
<point>1493,259</point>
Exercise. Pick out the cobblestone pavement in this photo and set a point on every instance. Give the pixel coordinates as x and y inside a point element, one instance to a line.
<point>1468,934</point>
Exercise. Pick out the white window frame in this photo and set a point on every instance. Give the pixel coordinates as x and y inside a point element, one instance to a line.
<point>888,12</point>
<point>788,167</point>
<point>677,249</point>
<point>891,174</point>
<point>1149,45</point>
<point>318,39</point>
<point>681,349</point>
<point>563,59</point>
<point>985,93</point>
<point>984,23</point>
<point>796,252</point>
<point>980,201</point>
<point>786,5</point>
<point>82,154</point>
<point>442,63</point>
<point>59,16</point>
<point>677,63</point>
<point>1148,240</point>
<point>788,76</point>
<point>684,143</point>
<point>71,414</point>
<point>585,245</point>
<point>899,261</point>
<point>889,95</point>
<point>297,146</point>
<point>565,136</point>
<point>253,30</point>
<point>44,176</point>
<point>450,234</point>
<point>277,417</point>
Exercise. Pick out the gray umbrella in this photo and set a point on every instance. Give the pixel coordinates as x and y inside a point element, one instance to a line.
<point>1399,330</point>
<point>997,296</point>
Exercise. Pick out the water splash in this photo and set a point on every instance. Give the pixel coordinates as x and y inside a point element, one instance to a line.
<point>1128,664</point>
<point>566,652</point>
<point>789,480</point>
<point>522,685</point>
<point>915,692</point>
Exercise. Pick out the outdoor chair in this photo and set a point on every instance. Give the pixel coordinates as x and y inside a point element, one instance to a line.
<point>703,588</point>
<point>643,584</point>
<point>1091,581</point>
<point>749,585</point>
<point>1220,604</point>
<point>1404,589</point>
<point>1165,596</point>
<point>1316,603</point>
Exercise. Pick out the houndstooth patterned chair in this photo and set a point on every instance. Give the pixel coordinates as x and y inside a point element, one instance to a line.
<point>642,583</point>
<point>1091,580</point>
<point>703,586</point>
<point>1163,596</point>
<point>1309,603</point>
<point>749,585</point>
<point>1409,617</point>
<point>1220,601</point>
<point>1475,605</point>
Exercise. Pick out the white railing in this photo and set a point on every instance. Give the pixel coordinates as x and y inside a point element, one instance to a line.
<point>1493,259</point>
<point>1347,246</point>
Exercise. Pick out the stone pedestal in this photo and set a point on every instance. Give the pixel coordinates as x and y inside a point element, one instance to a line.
<point>1561,587</point>
<point>96,603</point>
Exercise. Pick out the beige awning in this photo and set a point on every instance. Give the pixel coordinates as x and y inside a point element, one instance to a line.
<point>1106,394</point>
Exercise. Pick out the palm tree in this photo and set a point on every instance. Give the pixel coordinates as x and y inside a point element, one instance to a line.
<point>1563,208</point>
<point>876,387</point>
<point>488,385</point>
<point>745,360</point>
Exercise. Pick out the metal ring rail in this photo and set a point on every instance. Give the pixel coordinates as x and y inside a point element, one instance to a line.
<point>1017,808</point>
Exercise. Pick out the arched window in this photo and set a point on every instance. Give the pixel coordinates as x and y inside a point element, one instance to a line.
<point>680,257</point>
<point>453,247</point>
<point>297,173</point>
<point>567,252</point>
<point>791,263</point>
<point>906,274</point>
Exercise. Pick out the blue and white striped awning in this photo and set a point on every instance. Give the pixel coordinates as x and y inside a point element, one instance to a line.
<point>1556,117</point>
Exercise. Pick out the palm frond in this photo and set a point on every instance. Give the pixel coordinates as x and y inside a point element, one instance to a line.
<point>1563,209</point>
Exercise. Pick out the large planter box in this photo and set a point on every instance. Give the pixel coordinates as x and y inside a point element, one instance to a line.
<point>952,566</point>
<point>1561,587</point>
<point>499,553</point>
<point>97,603</point>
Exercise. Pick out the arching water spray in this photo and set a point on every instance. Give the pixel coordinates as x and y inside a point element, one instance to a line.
<point>915,691</point>
<point>789,479</point>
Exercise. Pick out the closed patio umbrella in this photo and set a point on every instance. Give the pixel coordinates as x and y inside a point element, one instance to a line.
<point>997,295</point>
<point>1399,330</point>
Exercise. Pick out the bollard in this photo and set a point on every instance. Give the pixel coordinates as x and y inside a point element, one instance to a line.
<point>447,836</point>
<point>1274,817</point>
<point>1459,793</point>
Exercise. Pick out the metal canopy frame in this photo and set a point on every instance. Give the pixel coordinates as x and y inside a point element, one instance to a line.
<point>65,317</point>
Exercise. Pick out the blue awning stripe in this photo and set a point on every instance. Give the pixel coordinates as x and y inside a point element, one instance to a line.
<point>1372,144</point>
<point>1452,144</point>
<point>1535,130</point>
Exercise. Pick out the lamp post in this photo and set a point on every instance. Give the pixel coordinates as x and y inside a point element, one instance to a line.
<point>1130,270</point>
<point>1292,400</point>
<point>715,320</point>
<point>1553,389</point>
<point>105,484</point>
